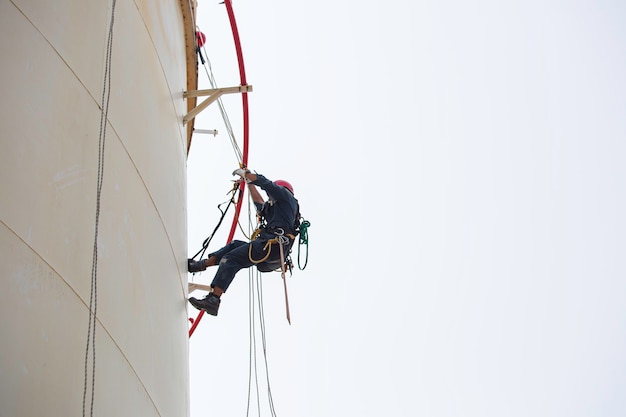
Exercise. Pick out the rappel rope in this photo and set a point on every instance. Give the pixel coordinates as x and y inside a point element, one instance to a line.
<point>209,72</point>
<point>255,281</point>
<point>93,296</point>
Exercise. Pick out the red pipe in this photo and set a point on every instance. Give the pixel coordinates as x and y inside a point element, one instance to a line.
<point>246,130</point>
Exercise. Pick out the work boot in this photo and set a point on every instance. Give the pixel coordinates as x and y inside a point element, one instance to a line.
<point>210,303</point>
<point>196,266</point>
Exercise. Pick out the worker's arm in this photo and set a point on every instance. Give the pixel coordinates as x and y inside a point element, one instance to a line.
<point>254,193</point>
<point>248,177</point>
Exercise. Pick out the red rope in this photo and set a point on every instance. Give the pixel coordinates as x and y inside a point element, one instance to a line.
<point>246,130</point>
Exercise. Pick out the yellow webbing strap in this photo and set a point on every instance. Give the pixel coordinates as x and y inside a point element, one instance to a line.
<point>268,246</point>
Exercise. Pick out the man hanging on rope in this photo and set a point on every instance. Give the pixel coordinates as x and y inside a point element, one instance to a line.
<point>281,216</point>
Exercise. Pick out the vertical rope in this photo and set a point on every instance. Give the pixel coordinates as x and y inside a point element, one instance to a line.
<point>208,69</point>
<point>255,300</point>
<point>93,296</point>
<point>253,374</point>
<point>264,344</point>
<point>252,363</point>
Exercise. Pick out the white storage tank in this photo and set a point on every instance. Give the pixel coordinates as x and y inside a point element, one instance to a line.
<point>58,68</point>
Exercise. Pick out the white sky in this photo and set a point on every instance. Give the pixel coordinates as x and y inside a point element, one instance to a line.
<point>462,166</point>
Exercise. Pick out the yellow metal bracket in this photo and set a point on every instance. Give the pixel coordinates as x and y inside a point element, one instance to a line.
<point>214,94</point>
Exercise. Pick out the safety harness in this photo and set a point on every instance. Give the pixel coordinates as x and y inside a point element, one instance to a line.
<point>300,226</point>
<point>281,238</point>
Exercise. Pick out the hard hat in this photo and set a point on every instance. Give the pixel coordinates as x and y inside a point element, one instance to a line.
<point>283,183</point>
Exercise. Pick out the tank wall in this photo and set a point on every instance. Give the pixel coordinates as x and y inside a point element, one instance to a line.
<point>53,68</point>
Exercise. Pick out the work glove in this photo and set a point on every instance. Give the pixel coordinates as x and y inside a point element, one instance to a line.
<point>242,173</point>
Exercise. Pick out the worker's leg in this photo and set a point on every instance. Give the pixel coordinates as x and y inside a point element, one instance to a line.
<point>232,261</point>
<point>239,258</point>
<point>214,258</point>
<point>229,264</point>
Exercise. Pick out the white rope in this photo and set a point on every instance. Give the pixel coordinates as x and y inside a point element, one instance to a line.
<point>256,282</point>
<point>209,72</point>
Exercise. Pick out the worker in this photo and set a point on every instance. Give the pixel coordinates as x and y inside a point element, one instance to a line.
<point>280,217</point>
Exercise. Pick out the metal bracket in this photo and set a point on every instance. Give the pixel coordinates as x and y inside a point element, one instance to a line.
<point>193,286</point>
<point>214,94</point>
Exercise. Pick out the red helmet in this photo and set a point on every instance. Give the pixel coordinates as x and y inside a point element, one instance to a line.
<point>283,183</point>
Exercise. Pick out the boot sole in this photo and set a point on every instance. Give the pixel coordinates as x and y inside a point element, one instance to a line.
<point>199,306</point>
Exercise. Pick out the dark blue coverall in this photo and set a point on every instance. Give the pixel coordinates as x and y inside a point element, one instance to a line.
<point>280,213</point>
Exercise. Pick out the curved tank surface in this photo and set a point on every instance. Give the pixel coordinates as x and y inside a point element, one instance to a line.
<point>55,68</point>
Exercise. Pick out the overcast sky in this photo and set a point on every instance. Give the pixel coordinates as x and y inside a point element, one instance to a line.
<point>462,166</point>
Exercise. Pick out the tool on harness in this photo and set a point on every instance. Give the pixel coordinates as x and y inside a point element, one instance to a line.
<point>207,241</point>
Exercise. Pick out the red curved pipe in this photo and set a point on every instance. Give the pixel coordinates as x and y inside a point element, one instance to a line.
<point>246,130</point>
